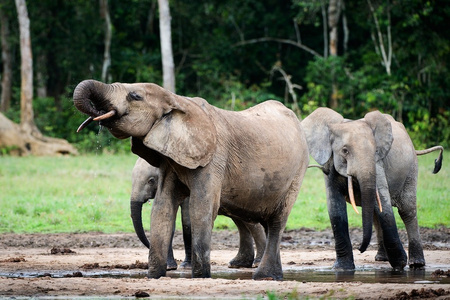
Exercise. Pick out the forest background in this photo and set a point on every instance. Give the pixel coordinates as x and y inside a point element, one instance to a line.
<point>352,56</point>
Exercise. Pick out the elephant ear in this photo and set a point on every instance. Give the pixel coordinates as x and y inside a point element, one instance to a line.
<point>317,132</point>
<point>382,131</point>
<point>186,134</point>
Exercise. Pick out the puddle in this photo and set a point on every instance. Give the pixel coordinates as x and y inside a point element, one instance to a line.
<point>302,274</point>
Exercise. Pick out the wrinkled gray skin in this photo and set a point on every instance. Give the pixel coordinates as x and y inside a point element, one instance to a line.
<point>377,153</point>
<point>248,165</point>
<point>144,182</point>
<point>144,187</point>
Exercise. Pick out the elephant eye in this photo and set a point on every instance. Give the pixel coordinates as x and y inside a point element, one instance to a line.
<point>152,181</point>
<point>345,151</point>
<point>134,96</point>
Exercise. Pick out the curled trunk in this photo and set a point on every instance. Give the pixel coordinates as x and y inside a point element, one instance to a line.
<point>88,92</point>
<point>136,216</point>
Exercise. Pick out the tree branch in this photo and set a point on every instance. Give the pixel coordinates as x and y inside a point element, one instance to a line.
<point>386,59</point>
<point>284,41</point>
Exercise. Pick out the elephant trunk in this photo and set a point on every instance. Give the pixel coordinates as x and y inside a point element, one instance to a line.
<point>88,95</point>
<point>368,199</point>
<point>136,216</point>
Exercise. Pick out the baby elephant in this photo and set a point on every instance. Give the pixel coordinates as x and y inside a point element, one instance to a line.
<point>144,187</point>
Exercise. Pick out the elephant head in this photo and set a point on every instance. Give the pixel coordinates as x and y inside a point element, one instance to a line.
<point>144,184</point>
<point>181,130</point>
<point>352,148</point>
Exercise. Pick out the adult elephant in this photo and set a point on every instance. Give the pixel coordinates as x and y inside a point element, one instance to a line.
<point>364,160</point>
<point>144,180</point>
<point>248,165</point>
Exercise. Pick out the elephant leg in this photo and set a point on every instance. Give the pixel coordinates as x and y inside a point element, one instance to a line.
<point>270,265</point>
<point>203,207</point>
<point>392,244</point>
<point>337,211</point>
<point>164,209</point>
<point>381,252</point>
<point>246,254</point>
<point>171,263</point>
<point>187,236</point>
<point>407,210</point>
<point>259,236</point>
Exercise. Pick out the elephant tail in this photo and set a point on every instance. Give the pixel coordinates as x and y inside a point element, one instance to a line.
<point>325,171</point>
<point>437,161</point>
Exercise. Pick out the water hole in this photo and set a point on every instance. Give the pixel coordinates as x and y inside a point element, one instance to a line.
<point>301,274</point>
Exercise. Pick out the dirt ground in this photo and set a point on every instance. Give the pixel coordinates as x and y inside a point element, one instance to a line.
<point>63,266</point>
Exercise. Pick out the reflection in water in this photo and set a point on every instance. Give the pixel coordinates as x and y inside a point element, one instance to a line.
<point>364,275</point>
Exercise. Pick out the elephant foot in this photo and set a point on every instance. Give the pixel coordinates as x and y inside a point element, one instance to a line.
<point>256,262</point>
<point>397,258</point>
<point>416,263</point>
<point>186,265</point>
<point>416,257</point>
<point>381,256</point>
<point>171,265</point>
<point>240,262</point>
<point>261,275</point>
<point>156,273</point>
<point>344,264</point>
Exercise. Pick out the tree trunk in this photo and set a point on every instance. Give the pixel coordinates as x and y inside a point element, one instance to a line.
<point>386,58</point>
<point>166,45</point>
<point>104,13</point>
<point>26,138</point>
<point>5,101</point>
<point>325,29</point>
<point>26,91</point>
<point>334,11</point>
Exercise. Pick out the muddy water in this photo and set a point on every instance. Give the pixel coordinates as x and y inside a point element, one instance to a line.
<point>302,274</point>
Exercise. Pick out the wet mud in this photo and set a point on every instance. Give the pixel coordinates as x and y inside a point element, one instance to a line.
<point>114,265</point>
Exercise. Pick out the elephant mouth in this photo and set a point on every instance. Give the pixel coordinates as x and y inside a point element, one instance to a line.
<point>352,196</point>
<point>99,118</point>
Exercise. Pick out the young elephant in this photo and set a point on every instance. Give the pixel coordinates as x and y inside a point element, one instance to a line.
<point>144,187</point>
<point>248,165</point>
<point>362,160</point>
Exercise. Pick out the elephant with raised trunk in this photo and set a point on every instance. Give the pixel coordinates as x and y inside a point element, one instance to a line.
<point>367,161</point>
<point>144,186</point>
<point>248,165</point>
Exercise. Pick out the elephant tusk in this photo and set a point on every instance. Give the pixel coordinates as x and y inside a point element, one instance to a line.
<point>350,193</point>
<point>105,116</point>
<point>379,201</point>
<point>85,123</point>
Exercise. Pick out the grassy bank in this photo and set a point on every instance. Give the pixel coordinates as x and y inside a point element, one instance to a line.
<point>91,193</point>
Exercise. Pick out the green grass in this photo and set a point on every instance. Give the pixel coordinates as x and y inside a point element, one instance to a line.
<point>91,193</point>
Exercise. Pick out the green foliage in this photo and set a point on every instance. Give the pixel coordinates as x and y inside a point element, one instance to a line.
<point>67,42</point>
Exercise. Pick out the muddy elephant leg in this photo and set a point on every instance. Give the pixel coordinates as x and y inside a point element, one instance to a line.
<point>187,236</point>
<point>246,254</point>
<point>204,204</point>
<point>270,265</point>
<point>392,244</point>
<point>163,214</point>
<point>381,252</point>
<point>415,250</point>
<point>407,210</point>
<point>337,211</point>
<point>171,263</point>
<point>259,236</point>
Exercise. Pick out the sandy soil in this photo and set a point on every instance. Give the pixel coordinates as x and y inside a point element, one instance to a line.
<point>63,265</point>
